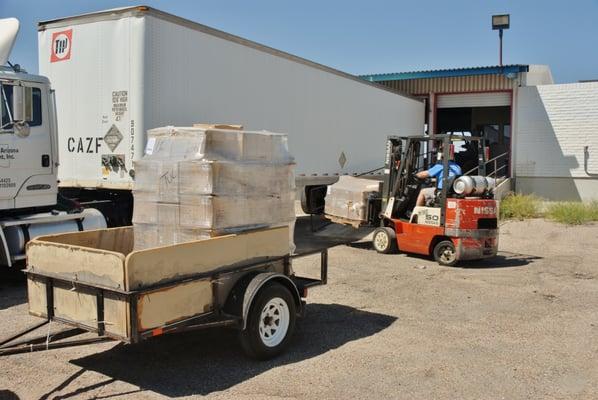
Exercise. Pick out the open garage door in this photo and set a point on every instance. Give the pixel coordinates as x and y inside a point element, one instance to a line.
<point>478,114</point>
<point>496,99</point>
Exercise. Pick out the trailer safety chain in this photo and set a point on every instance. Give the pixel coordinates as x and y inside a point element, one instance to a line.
<point>48,335</point>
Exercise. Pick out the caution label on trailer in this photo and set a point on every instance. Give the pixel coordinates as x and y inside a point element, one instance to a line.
<point>113,137</point>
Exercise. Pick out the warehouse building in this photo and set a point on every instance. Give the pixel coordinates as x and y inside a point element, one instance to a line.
<point>544,136</point>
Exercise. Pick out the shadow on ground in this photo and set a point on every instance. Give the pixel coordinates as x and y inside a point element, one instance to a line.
<point>8,395</point>
<point>504,259</point>
<point>13,289</point>
<point>204,362</point>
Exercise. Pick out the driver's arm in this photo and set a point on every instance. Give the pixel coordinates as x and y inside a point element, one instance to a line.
<point>422,175</point>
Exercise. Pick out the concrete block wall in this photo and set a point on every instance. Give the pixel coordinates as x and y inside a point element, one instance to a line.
<point>554,124</point>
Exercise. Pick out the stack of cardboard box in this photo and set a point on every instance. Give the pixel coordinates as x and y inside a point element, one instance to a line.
<point>199,182</point>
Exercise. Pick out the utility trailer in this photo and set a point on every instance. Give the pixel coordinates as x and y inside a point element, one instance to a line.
<point>94,281</point>
<point>138,68</point>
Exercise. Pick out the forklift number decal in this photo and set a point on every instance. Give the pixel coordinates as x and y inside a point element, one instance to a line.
<point>484,210</point>
<point>61,45</point>
<point>432,219</point>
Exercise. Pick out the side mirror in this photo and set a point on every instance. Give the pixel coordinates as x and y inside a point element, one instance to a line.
<point>22,104</point>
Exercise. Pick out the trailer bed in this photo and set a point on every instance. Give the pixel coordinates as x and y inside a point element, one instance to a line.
<point>94,280</point>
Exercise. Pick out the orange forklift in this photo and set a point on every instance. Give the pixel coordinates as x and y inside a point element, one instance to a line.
<point>459,223</point>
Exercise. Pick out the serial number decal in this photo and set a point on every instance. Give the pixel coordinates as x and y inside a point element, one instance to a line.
<point>84,144</point>
<point>6,183</point>
<point>132,139</point>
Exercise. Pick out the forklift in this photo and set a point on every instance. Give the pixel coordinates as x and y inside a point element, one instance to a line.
<point>459,223</point>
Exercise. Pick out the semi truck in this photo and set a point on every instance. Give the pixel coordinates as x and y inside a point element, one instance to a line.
<point>120,72</point>
<point>71,134</point>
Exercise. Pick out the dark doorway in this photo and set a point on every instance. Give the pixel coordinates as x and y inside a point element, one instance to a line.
<point>494,123</point>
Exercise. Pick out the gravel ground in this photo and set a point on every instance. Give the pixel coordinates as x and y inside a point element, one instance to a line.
<point>524,325</point>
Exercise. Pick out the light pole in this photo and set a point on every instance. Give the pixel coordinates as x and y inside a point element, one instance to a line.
<point>500,22</point>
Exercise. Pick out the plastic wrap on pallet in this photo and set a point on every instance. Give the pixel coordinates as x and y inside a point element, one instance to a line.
<point>238,178</point>
<point>186,143</point>
<point>218,212</point>
<point>347,198</point>
<point>215,212</point>
<point>155,235</point>
<point>197,183</point>
<point>167,180</point>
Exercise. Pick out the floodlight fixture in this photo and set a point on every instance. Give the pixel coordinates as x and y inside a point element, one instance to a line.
<point>500,22</point>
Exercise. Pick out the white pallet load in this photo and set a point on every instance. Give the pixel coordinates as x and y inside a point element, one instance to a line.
<point>200,182</point>
<point>346,200</point>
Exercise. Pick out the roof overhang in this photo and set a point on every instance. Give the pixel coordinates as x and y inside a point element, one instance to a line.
<point>506,70</point>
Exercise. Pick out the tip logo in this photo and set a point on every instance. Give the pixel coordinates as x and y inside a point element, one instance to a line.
<point>61,45</point>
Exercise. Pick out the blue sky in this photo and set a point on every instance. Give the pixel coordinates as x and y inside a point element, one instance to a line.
<point>373,36</point>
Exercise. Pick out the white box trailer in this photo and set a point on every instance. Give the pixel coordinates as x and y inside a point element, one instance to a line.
<point>120,72</point>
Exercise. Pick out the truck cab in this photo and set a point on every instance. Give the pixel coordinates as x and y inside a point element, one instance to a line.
<point>29,204</point>
<point>28,147</point>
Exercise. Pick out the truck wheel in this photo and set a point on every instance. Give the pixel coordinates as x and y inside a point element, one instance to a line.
<point>270,322</point>
<point>313,199</point>
<point>445,253</point>
<point>385,240</point>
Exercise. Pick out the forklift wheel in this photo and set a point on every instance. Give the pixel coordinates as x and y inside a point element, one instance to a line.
<point>385,240</point>
<point>445,253</point>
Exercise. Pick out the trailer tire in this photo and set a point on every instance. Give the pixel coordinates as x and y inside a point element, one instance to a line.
<point>384,240</point>
<point>445,253</point>
<point>270,322</point>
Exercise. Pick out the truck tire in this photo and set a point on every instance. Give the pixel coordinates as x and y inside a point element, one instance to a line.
<point>270,322</point>
<point>313,199</point>
<point>384,240</point>
<point>445,253</point>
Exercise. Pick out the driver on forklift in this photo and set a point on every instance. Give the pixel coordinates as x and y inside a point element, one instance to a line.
<point>427,195</point>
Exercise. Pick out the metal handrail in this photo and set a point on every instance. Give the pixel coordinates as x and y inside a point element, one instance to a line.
<point>493,160</point>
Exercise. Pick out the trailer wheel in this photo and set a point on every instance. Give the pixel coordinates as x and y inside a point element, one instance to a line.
<point>445,253</point>
<point>385,240</point>
<point>270,322</point>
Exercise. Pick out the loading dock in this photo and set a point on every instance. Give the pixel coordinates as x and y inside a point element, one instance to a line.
<point>546,131</point>
<point>471,101</point>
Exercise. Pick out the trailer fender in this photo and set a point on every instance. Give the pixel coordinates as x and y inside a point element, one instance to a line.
<point>259,281</point>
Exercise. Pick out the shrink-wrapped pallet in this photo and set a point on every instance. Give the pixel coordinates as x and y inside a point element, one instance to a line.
<point>185,143</point>
<point>347,199</point>
<point>216,212</point>
<point>166,181</point>
<point>196,183</point>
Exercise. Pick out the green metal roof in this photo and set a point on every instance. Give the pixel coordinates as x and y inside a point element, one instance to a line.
<point>445,73</point>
